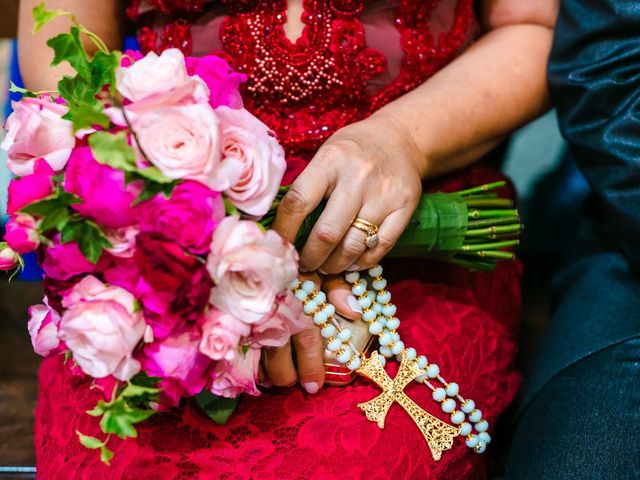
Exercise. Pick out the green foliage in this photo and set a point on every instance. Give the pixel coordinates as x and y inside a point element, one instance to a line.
<point>113,150</point>
<point>16,89</point>
<point>91,443</point>
<point>69,47</point>
<point>89,237</point>
<point>85,115</point>
<point>106,455</point>
<point>53,210</point>
<point>218,409</point>
<point>42,16</point>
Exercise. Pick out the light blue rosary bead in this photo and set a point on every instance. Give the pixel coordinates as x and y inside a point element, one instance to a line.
<point>457,417</point>
<point>484,437</point>
<point>386,351</point>
<point>301,294</point>
<point>328,331</point>
<point>354,363</point>
<point>433,370</point>
<point>359,288</point>
<point>364,302</point>
<point>475,416</point>
<point>421,378</point>
<point>393,323</point>
<point>377,308</point>
<point>308,286</point>
<point>383,297</point>
<point>465,429</point>
<point>395,336</point>
<point>453,389</point>
<point>411,353</point>
<point>321,317</point>
<point>294,284</point>
<point>382,360</point>
<point>439,394</point>
<point>422,362</point>
<point>310,306</point>
<point>320,298</point>
<point>379,284</point>
<point>345,355</point>
<point>398,347</point>
<point>449,405</point>
<point>468,406</point>
<point>330,309</point>
<point>472,441</point>
<point>352,277</point>
<point>375,271</point>
<point>344,335</point>
<point>482,426</point>
<point>369,316</point>
<point>385,339</point>
<point>382,320</point>
<point>389,310</point>
<point>481,447</point>
<point>334,345</point>
<point>376,328</point>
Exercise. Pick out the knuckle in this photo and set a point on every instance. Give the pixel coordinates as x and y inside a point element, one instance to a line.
<point>353,247</point>
<point>308,341</point>
<point>294,201</point>
<point>327,234</point>
<point>385,244</point>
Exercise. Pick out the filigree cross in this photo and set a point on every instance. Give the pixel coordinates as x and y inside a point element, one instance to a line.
<point>438,434</point>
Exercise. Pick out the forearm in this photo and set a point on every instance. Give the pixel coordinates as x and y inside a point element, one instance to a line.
<point>496,86</point>
<point>102,18</point>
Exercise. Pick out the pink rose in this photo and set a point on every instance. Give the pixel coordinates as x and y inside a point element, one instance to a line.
<point>43,328</point>
<point>36,130</point>
<point>237,376</point>
<point>247,140</point>
<point>287,320</point>
<point>221,334</point>
<point>105,197</point>
<point>223,82</point>
<point>22,233</point>
<point>65,260</point>
<point>178,358</point>
<point>155,75</point>
<point>250,268</point>
<point>123,241</point>
<point>101,328</point>
<point>9,259</point>
<point>188,218</point>
<point>31,188</point>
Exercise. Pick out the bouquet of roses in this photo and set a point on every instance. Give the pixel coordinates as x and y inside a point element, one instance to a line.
<point>148,190</point>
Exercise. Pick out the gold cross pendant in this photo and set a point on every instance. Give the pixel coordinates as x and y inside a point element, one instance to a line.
<point>438,434</point>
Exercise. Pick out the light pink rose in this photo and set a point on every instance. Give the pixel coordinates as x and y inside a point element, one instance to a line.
<point>43,329</point>
<point>287,320</point>
<point>123,241</point>
<point>183,143</point>
<point>250,268</point>
<point>221,334</point>
<point>101,328</point>
<point>245,139</point>
<point>9,259</point>
<point>21,233</point>
<point>237,376</point>
<point>156,75</point>
<point>36,130</point>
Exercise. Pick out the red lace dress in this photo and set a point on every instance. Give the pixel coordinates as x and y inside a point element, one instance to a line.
<point>352,58</point>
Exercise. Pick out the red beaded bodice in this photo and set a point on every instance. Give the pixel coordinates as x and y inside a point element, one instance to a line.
<point>308,89</point>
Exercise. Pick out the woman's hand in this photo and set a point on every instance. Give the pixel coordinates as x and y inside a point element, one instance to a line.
<point>369,170</point>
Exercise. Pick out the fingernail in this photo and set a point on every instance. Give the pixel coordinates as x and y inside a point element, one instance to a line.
<point>354,304</point>
<point>354,268</point>
<point>311,387</point>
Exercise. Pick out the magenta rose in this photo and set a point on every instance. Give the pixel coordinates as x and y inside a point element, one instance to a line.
<point>250,268</point>
<point>31,188</point>
<point>231,378</point>
<point>65,260</point>
<point>177,358</point>
<point>21,233</point>
<point>223,82</point>
<point>36,130</point>
<point>221,334</point>
<point>101,327</point>
<point>287,320</point>
<point>105,197</point>
<point>249,142</point>
<point>9,259</point>
<point>43,329</point>
<point>188,217</point>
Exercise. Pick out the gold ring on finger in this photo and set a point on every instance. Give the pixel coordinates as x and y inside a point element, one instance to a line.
<point>371,229</point>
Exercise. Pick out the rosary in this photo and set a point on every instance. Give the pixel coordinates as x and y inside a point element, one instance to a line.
<point>379,313</point>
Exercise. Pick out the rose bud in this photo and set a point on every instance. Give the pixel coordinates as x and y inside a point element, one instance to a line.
<point>9,259</point>
<point>22,234</point>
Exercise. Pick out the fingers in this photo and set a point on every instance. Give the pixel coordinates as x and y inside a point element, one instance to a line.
<point>390,230</point>
<point>279,366</point>
<point>339,295</point>
<point>305,194</point>
<point>309,355</point>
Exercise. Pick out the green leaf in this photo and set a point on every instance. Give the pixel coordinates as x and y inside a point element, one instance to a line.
<point>103,68</point>
<point>56,220</point>
<point>87,116</point>
<point>218,409</point>
<point>151,189</point>
<point>155,175</point>
<point>131,391</point>
<point>54,210</point>
<point>113,150</point>
<point>106,455</point>
<point>89,442</point>
<point>77,91</point>
<point>25,93</point>
<point>89,237</point>
<point>68,47</point>
<point>42,16</point>
<point>229,207</point>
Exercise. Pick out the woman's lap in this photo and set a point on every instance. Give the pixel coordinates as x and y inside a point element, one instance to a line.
<point>288,434</point>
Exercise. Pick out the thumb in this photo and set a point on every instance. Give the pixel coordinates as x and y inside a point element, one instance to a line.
<point>339,294</point>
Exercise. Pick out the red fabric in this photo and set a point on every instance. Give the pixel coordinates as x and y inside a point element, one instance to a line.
<point>465,322</point>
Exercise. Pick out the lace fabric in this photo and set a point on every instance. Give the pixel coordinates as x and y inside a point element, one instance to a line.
<point>364,54</point>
